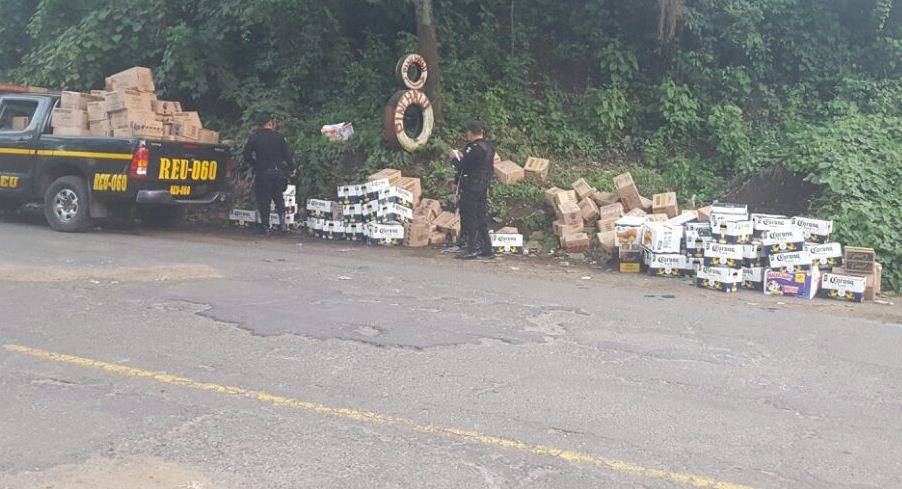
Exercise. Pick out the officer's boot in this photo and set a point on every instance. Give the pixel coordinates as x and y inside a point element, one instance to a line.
<point>283,224</point>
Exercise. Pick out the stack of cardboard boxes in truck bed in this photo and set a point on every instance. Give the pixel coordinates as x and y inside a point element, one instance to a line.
<point>128,107</point>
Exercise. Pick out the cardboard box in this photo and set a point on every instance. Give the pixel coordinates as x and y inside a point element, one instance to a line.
<point>207,136</point>
<point>509,172</point>
<point>186,130</point>
<point>75,100</point>
<point>665,203</point>
<point>437,238</point>
<point>166,107</point>
<point>659,238</point>
<point>733,232</point>
<point>550,195</point>
<point>588,209</point>
<point>101,129</point>
<point>842,287</point>
<point>537,168</point>
<point>668,265</point>
<point>392,175</point>
<point>385,234</point>
<point>628,192</point>
<point>396,195</point>
<point>872,280</point>
<point>657,217</point>
<point>718,278</point>
<point>859,261</point>
<point>137,78</point>
<point>319,208</point>
<point>142,129</point>
<point>122,119</point>
<point>575,243</point>
<point>390,212</point>
<point>803,284</point>
<point>97,111</point>
<point>414,186</point>
<point>794,261</point>
<point>19,123</point>
<point>508,230</point>
<point>71,131</point>
<point>448,222</point>
<point>704,213</point>
<point>350,194</point>
<point>583,189</point>
<point>637,212</point>
<point>606,225</point>
<point>824,256</point>
<point>610,212</point>
<point>192,118</point>
<point>606,241</point>
<point>684,218</point>
<point>605,198</point>
<point>561,228</point>
<point>373,188</point>
<point>128,100</point>
<point>815,230</point>
<point>69,118</point>
<point>723,255</point>
<point>563,196</point>
<point>428,209</point>
<point>647,204</point>
<point>569,213</point>
<point>418,232</point>
<point>782,240</point>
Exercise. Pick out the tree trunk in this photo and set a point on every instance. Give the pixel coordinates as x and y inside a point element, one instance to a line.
<point>427,46</point>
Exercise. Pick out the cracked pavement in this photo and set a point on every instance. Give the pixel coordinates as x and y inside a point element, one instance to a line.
<point>747,389</point>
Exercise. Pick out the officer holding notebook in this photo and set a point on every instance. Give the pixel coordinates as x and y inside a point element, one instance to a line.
<point>474,167</point>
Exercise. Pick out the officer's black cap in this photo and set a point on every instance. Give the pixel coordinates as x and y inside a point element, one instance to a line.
<point>262,118</point>
<point>476,127</point>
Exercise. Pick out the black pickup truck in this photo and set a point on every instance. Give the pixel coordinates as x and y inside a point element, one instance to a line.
<point>81,178</point>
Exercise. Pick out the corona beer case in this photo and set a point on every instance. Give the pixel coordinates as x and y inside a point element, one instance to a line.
<point>782,241</point>
<point>507,243</point>
<point>802,284</point>
<point>824,256</point>
<point>389,212</point>
<point>753,278</point>
<point>770,222</point>
<point>842,287</point>
<point>753,255</point>
<point>727,212</point>
<point>396,195</point>
<point>796,261</point>
<point>668,265</point>
<point>733,232</point>
<point>723,255</point>
<point>319,208</point>
<point>385,234</point>
<point>718,278</point>
<point>353,213</point>
<point>815,230</point>
<point>351,194</point>
<point>374,187</point>
<point>661,238</point>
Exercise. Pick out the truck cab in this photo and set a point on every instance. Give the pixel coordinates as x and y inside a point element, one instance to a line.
<point>80,178</point>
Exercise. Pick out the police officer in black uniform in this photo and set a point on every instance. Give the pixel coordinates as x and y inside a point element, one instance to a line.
<point>474,176</point>
<point>267,152</point>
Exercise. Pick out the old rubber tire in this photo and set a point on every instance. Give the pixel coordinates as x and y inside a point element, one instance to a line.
<point>403,69</point>
<point>67,205</point>
<point>396,125</point>
<point>161,216</point>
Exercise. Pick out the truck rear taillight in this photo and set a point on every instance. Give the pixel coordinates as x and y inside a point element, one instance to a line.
<point>138,168</point>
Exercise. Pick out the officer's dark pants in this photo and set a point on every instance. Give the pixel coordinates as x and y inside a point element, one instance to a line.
<point>474,220</point>
<point>268,189</point>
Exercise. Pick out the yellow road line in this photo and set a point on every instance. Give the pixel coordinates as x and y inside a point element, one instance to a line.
<point>85,154</point>
<point>16,151</point>
<point>688,480</point>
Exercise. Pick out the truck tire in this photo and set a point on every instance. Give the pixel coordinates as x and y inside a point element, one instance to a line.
<point>409,120</point>
<point>412,71</point>
<point>67,205</point>
<point>160,216</point>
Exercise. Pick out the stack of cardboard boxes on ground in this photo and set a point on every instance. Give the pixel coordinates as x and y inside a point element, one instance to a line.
<point>128,107</point>
<point>579,212</point>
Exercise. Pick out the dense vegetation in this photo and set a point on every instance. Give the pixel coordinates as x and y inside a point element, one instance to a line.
<point>689,94</point>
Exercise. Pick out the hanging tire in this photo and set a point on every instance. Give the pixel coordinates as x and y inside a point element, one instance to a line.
<point>409,120</point>
<point>67,205</point>
<point>413,71</point>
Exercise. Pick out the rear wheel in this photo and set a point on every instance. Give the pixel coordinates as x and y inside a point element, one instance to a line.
<point>66,205</point>
<point>160,216</point>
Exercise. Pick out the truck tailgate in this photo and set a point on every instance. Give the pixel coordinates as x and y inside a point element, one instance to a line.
<point>188,170</point>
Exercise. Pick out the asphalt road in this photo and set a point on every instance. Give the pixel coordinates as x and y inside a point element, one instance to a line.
<point>185,360</point>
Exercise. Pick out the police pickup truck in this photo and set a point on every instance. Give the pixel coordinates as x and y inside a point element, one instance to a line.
<point>82,178</point>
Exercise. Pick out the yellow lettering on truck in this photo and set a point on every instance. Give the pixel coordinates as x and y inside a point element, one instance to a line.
<point>165,166</point>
